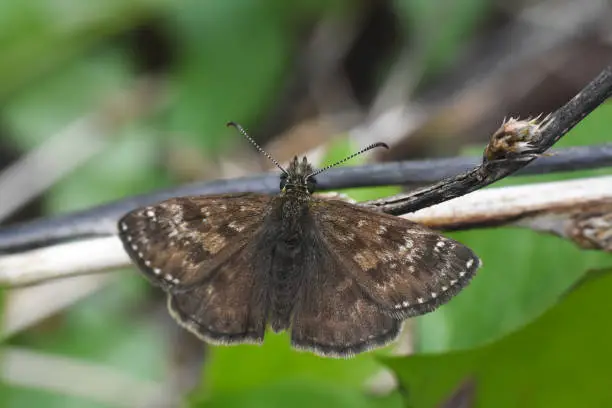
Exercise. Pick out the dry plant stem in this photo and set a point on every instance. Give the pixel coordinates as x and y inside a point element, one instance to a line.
<point>62,260</point>
<point>25,307</point>
<point>518,205</point>
<point>578,210</point>
<point>40,169</point>
<point>557,125</point>
<point>66,376</point>
<point>508,205</point>
<point>101,220</point>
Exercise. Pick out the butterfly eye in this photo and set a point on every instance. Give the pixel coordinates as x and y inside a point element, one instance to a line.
<point>283,181</point>
<point>311,184</point>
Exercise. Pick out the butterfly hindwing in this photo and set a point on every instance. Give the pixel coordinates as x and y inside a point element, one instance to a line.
<point>333,316</point>
<point>180,242</point>
<point>406,268</point>
<point>231,307</point>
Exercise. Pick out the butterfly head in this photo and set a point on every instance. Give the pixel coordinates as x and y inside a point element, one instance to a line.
<point>298,178</point>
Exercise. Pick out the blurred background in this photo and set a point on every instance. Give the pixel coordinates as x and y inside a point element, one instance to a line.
<point>103,100</point>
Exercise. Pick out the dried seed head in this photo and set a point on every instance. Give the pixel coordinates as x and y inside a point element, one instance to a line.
<point>515,139</point>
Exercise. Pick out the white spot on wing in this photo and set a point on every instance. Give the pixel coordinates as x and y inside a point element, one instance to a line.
<point>405,303</point>
<point>236,226</point>
<point>408,242</point>
<point>348,237</point>
<point>469,263</point>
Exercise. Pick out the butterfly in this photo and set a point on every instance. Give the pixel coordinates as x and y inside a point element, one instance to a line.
<point>340,278</point>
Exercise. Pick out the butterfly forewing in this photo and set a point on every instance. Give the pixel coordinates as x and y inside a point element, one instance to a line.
<point>180,242</point>
<point>407,269</point>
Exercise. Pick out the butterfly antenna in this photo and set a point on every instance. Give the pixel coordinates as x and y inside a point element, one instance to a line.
<point>365,149</point>
<point>254,143</point>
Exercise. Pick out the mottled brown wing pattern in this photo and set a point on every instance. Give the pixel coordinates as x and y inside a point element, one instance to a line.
<point>230,308</point>
<point>334,317</point>
<point>405,268</point>
<point>180,242</point>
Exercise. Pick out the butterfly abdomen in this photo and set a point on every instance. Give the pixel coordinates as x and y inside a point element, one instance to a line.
<point>288,261</point>
<point>286,277</point>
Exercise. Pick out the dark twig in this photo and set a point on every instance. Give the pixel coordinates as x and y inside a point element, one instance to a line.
<point>577,210</point>
<point>101,220</point>
<point>557,125</point>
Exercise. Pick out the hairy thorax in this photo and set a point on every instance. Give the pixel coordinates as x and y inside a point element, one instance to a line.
<point>289,257</point>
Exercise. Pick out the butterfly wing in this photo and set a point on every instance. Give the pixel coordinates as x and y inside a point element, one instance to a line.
<point>333,316</point>
<point>405,268</point>
<point>180,242</point>
<point>200,250</point>
<point>231,307</point>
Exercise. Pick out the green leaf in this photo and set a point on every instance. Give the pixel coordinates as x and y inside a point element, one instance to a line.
<point>104,329</point>
<point>275,362</point>
<point>523,274</point>
<point>297,394</point>
<point>127,160</point>
<point>562,359</point>
<point>18,397</point>
<point>40,111</point>
<point>37,37</point>
<point>212,33</point>
<point>275,375</point>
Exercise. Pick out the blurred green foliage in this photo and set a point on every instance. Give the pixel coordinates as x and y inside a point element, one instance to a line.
<point>59,59</point>
<point>562,359</point>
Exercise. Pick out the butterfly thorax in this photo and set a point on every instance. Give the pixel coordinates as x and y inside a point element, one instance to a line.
<point>293,227</point>
<point>294,200</point>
